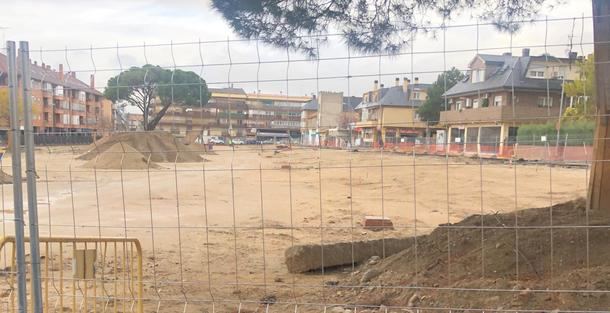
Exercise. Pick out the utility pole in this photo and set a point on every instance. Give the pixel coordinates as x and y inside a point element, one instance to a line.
<point>599,181</point>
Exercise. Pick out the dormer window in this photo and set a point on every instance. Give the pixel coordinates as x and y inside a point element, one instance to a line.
<point>478,75</point>
<point>537,74</point>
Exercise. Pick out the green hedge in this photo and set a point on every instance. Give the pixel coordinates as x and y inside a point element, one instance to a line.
<point>578,132</point>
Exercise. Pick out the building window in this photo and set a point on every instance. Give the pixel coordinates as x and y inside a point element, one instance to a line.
<point>478,75</point>
<point>468,103</point>
<point>545,102</point>
<point>475,103</point>
<point>537,74</point>
<point>498,101</point>
<point>458,105</point>
<point>59,91</point>
<point>416,95</point>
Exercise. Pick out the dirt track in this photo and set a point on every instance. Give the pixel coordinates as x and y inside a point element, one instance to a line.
<point>295,201</point>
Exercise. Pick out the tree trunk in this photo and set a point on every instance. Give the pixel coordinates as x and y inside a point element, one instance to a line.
<point>599,181</point>
<point>153,124</point>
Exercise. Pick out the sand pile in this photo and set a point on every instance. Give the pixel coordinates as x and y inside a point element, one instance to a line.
<point>5,178</point>
<point>158,146</point>
<point>120,156</point>
<point>491,265</point>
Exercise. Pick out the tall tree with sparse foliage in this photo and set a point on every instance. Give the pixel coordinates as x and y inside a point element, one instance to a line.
<point>142,86</point>
<point>582,91</point>
<point>430,110</point>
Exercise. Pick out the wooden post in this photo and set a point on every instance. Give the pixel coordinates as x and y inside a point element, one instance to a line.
<point>599,183</point>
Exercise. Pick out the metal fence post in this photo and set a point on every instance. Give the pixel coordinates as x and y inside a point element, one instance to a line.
<point>30,165</point>
<point>16,163</point>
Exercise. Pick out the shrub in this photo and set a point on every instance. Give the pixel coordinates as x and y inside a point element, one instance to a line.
<point>577,132</point>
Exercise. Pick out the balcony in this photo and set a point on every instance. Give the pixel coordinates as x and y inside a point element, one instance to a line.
<point>522,114</point>
<point>234,115</point>
<point>488,114</point>
<point>367,123</point>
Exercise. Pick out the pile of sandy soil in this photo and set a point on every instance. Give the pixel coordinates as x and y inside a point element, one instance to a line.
<point>156,146</point>
<point>456,269</point>
<point>5,178</point>
<point>121,156</point>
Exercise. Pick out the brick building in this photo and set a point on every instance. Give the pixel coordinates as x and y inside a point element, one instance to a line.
<point>62,103</point>
<point>500,93</point>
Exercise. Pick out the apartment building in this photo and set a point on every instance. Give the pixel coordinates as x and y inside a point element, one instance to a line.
<point>500,93</point>
<point>388,115</point>
<point>274,116</point>
<point>326,119</point>
<point>61,102</point>
<point>250,115</point>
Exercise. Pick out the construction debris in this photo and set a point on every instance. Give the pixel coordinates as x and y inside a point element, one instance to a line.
<point>304,258</point>
<point>377,222</point>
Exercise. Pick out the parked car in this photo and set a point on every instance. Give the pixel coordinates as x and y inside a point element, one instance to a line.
<point>238,142</point>
<point>217,141</point>
<point>252,142</point>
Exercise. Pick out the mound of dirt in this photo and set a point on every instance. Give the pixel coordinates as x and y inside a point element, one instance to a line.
<point>120,156</point>
<point>158,146</point>
<point>5,178</point>
<point>497,267</point>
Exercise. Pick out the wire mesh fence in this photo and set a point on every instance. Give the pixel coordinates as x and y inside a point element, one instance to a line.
<point>359,207</point>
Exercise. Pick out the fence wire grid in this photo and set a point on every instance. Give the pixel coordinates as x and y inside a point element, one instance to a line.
<point>341,211</point>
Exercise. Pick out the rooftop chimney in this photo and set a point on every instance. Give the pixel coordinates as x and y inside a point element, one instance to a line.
<point>61,71</point>
<point>35,63</point>
<point>405,84</point>
<point>92,81</point>
<point>381,86</point>
<point>397,81</point>
<point>507,54</point>
<point>375,84</point>
<point>416,80</point>
<point>44,66</point>
<point>525,52</point>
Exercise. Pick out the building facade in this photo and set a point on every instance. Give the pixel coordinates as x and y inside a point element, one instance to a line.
<point>388,115</point>
<point>272,116</point>
<point>500,93</point>
<point>231,112</point>
<point>326,119</point>
<point>62,103</point>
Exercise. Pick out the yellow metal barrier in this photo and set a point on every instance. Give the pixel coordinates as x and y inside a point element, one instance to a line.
<point>100,274</point>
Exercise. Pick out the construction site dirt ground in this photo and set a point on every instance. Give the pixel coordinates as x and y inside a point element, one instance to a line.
<point>226,222</point>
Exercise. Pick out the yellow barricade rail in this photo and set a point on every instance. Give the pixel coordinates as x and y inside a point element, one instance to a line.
<point>79,274</point>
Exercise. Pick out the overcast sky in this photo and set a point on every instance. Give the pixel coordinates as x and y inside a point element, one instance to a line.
<point>56,25</point>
